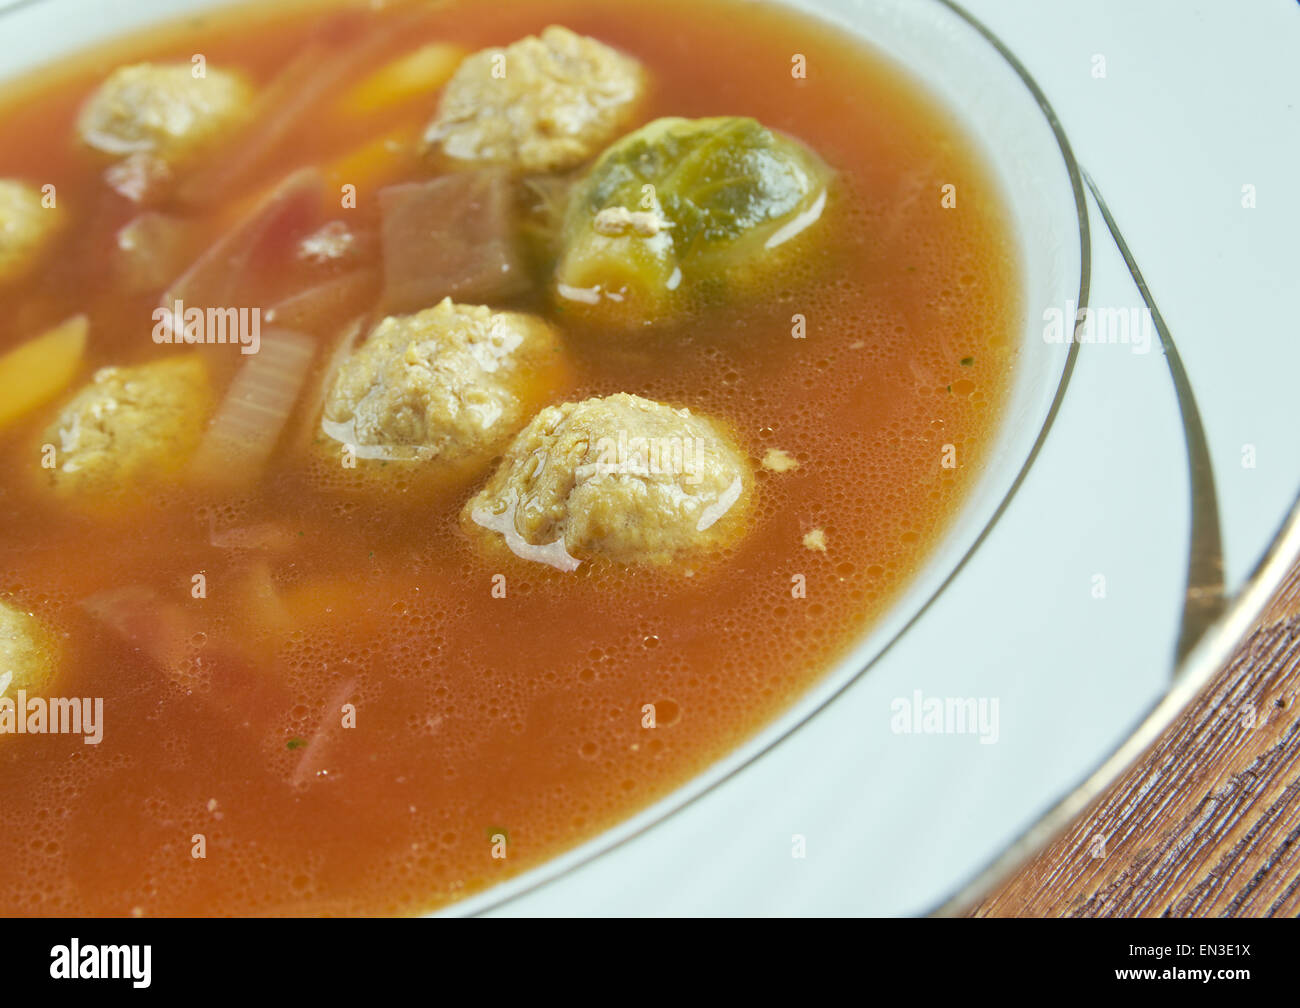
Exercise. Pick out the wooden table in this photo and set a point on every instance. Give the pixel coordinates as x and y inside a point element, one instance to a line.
<point>1207,822</point>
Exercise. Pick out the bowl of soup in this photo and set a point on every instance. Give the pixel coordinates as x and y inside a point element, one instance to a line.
<point>446,439</point>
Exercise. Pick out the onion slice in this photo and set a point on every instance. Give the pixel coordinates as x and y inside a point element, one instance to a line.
<point>209,668</point>
<point>311,763</point>
<point>250,419</point>
<point>319,308</point>
<point>217,276</point>
<point>164,631</point>
<point>262,537</point>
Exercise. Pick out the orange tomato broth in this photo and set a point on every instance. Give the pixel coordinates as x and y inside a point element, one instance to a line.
<point>481,719</point>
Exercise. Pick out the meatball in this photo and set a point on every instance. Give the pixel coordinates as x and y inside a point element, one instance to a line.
<point>623,478</point>
<point>164,111</point>
<point>27,652</point>
<point>130,425</point>
<point>540,104</point>
<point>451,383</point>
<point>27,228</point>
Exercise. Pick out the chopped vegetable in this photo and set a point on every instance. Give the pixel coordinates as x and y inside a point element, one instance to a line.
<point>311,764</point>
<point>151,250</point>
<point>212,668</point>
<point>223,274</point>
<point>545,203</point>
<point>383,159</point>
<point>166,632</point>
<point>682,210</point>
<point>320,68</point>
<point>269,537</point>
<point>38,370</point>
<point>415,75</point>
<point>450,237</point>
<point>264,623</point>
<point>319,308</point>
<point>249,420</point>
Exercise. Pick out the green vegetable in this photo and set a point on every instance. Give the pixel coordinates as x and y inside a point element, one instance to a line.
<point>967,361</point>
<point>683,210</point>
<point>295,743</point>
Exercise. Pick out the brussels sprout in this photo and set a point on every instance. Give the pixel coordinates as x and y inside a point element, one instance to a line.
<point>684,211</point>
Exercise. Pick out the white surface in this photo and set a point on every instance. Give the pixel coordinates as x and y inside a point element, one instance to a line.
<point>1199,99</point>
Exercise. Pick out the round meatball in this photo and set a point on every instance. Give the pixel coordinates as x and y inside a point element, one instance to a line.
<point>27,651</point>
<point>27,228</point>
<point>164,111</point>
<point>451,383</point>
<point>623,478</point>
<point>130,425</point>
<point>540,104</point>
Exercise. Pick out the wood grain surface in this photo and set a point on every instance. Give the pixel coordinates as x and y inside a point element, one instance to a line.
<point>1207,822</point>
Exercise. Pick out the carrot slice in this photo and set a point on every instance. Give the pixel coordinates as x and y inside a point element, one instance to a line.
<point>421,72</point>
<point>380,160</point>
<point>34,373</point>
